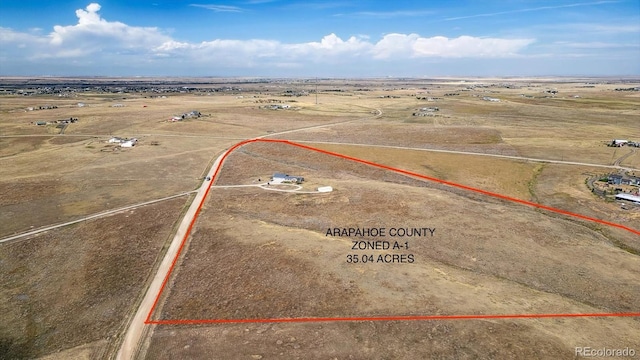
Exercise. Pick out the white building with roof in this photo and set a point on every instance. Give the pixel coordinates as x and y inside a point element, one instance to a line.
<point>279,178</point>
<point>129,143</point>
<point>628,197</point>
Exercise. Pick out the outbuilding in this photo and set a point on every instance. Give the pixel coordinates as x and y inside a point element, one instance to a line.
<point>628,197</point>
<point>128,143</point>
<point>618,142</point>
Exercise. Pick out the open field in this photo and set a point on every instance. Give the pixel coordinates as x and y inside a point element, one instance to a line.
<point>56,178</point>
<point>278,262</point>
<point>548,128</point>
<point>359,340</point>
<point>558,186</point>
<point>263,254</point>
<point>62,182</point>
<point>75,286</point>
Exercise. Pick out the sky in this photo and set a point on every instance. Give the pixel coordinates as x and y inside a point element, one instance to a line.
<point>331,38</point>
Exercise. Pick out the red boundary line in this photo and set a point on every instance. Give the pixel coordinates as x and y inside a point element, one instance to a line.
<point>378,318</point>
<point>387,318</point>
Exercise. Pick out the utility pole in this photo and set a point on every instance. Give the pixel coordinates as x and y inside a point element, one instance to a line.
<point>316,91</point>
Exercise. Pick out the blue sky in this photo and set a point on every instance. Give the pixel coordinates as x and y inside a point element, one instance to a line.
<point>333,38</point>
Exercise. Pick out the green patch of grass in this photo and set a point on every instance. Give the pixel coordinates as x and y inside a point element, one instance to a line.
<point>531,185</point>
<point>14,350</point>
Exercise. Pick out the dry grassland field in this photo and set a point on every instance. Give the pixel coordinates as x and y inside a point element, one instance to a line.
<point>73,287</point>
<point>259,253</point>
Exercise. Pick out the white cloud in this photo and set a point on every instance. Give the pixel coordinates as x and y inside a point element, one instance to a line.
<point>414,46</point>
<point>93,33</point>
<point>335,49</point>
<point>99,41</point>
<point>468,46</point>
<point>9,36</point>
<point>395,45</point>
<point>331,46</point>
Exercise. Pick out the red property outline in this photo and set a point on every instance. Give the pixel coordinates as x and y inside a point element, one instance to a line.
<point>375,318</point>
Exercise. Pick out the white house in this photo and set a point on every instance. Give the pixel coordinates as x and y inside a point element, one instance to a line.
<point>279,178</point>
<point>129,143</point>
<point>116,140</point>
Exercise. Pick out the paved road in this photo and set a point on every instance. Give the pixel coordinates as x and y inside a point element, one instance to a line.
<point>101,214</point>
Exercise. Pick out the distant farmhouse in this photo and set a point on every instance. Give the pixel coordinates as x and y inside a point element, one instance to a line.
<point>620,143</point>
<point>280,178</point>
<point>277,107</point>
<point>70,120</point>
<point>426,111</point>
<point>125,143</point>
<point>187,115</point>
<point>41,107</point>
<point>617,179</point>
<point>626,184</point>
<point>637,88</point>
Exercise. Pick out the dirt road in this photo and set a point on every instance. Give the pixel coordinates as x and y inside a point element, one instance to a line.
<point>135,332</point>
<point>623,157</point>
<point>94,216</point>
<point>615,166</point>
